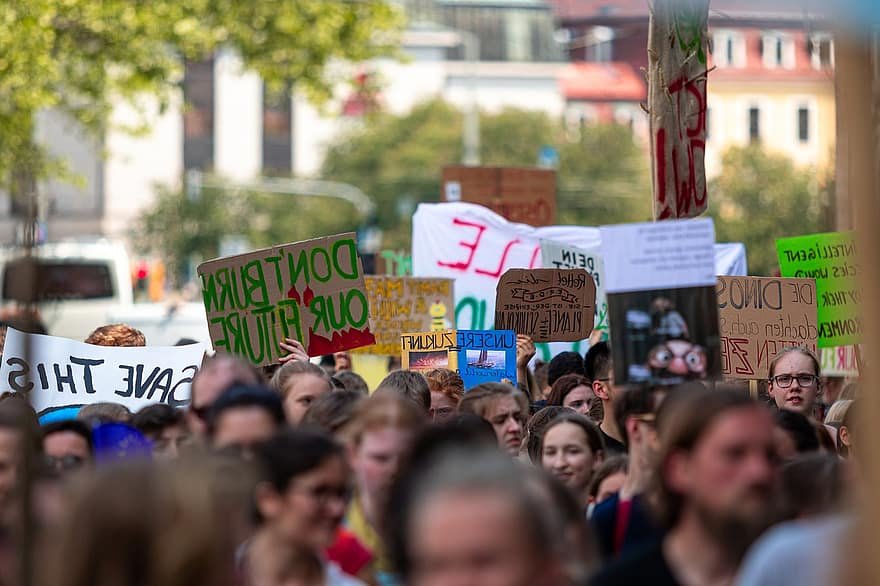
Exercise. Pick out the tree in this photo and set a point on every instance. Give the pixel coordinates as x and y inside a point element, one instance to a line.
<point>762,196</point>
<point>83,56</point>
<point>397,161</point>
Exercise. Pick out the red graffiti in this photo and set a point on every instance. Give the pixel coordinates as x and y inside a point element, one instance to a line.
<point>533,263</point>
<point>344,340</point>
<point>690,119</point>
<point>497,273</point>
<point>463,266</point>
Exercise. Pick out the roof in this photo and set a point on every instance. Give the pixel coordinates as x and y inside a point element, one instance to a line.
<point>602,82</point>
<point>601,11</point>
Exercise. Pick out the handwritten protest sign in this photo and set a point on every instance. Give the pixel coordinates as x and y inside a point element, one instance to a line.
<point>474,246</point>
<point>312,291</point>
<point>829,258</point>
<point>550,305</point>
<point>428,350</point>
<point>486,356</point>
<point>394,262</point>
<point>839,361</point>
<point>517,194</point>
<point>662,302</point>
<point>56,372</point>
<point>758,317</point>
<point>478,356</point>
<point>406,304</point>
<point>555,255</point>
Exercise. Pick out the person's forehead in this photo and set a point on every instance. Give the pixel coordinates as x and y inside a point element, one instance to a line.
<point>736,425</point>
<point>794,363</point>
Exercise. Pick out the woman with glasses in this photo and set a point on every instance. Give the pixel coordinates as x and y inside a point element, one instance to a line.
<point>794,380</point>
<point>301,499</point>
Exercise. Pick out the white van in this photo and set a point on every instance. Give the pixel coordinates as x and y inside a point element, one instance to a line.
<point>85,283</point>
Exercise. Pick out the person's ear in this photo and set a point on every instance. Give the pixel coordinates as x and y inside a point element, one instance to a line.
<point>267,500</point>
<point>632,430</point>
<point>843,436</point>
<point>599,390</point>
<point>676,471</point>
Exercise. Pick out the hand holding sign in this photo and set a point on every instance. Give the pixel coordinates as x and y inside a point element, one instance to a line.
<point>547,305</point>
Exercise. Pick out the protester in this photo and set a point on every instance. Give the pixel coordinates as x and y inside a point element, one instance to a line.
<point>833,421</point>
<point>623,521</point>
<point>382,432</point>
<point>715,483</point>
<point>117,335</point>
<point>301,499</point>
<point>274,563</point>
<point>352,381</point>
<point>794,380</point>
<point>218,373</point>
<point>299,384</point>
<point>475,518</point>
<point>571,450</point>
<point>341,361</point>
<point>334,412</point>
<point>562,364</point>
<point>813,484</point>
<point>67,445</point>
<point>409,385</point>
<point>502,405</point>
<point>575,392</point>
<point>535,427</point>
<point>598,369</point>
<point>607,479</point>
<point>525,351</point>
<point>165,427</point>
<point>98,413</point>
<point>447,389</point>
<point>540,377</point>
<point>243,416</point>
<point>847,432</point>
<point>794,434</point>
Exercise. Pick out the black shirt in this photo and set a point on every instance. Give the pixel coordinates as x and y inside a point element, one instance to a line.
<point>612,446</point>
<point>645,566</point>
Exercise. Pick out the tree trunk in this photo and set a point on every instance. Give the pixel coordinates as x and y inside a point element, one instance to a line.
<point>677,70</point>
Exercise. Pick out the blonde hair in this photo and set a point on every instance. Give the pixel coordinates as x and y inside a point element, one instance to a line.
<point>837,413</point>
<point>382,412</point>
<point>283,378</point>
<point>117,335</point>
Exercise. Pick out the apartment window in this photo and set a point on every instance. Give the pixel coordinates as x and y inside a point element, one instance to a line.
<point>198,115</point>
<point>277,139</point>
<point>778,50</point>
<point>728,49</point>
<point>803,123</point>
<point>821,50</point>
<point>754,124</point>
<point>599,43</point>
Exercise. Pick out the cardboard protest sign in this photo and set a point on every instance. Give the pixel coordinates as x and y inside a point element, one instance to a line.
<point>662,302</point>
<point>406,304</point>
<point>760,316</point>
<point>56,372</point>
<point>517,194</point>
<point>428,350</point>
<point>840,361</point>
<point>312,291</point>
<point>549,305</point>
<point>486,356</point>
<point>555,255</point>
<point>830,259</point>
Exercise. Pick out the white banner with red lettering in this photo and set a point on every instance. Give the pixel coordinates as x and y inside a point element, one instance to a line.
<point>475,246</point>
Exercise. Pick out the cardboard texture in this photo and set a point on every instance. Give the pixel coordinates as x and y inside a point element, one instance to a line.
<point>479,356</point>
<point>406,304</point>
<point>550,305</point>
<point>760,316</point>
<point>518,194</point>
<point>57,372</point>
<point>555,255</point>
<point>830,259</point>
<point>312,291</point>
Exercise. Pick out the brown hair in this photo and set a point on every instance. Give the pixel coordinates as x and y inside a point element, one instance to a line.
<point>591,431</point>
<point>685,421</point>
<point>117,335</point>
<point>478,399</point>
<point>535,429</point>
<point>448,382</point>
<point>285,375</point>
<point>608,467</point>
<point>409,385</point>
<point>566,384</point>
<point>384,411</point>
<point>800,350</point>
<point>98,413</point>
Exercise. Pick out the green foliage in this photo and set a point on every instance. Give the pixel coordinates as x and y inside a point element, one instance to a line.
<point>397,161</point>
<point>761,196</point>
<point>83,56</point>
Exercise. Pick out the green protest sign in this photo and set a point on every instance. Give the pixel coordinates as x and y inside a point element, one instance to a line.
<point>312,291</point>
<point>830,259</point>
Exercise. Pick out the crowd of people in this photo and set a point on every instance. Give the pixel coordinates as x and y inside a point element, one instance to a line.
<point>299,474</point>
